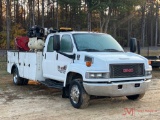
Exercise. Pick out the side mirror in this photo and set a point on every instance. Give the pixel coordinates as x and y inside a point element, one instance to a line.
<point>133,44</point>
<point>56,43</point>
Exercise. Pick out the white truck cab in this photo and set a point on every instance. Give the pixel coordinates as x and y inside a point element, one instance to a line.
<point>83,64</point>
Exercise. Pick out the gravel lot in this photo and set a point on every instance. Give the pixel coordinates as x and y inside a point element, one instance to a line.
<point>37,102</point>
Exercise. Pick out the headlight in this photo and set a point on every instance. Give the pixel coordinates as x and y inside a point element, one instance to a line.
<point>97,75</point>
<point>148,73</point>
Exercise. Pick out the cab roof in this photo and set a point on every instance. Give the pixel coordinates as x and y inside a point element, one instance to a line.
<point>75,32</point>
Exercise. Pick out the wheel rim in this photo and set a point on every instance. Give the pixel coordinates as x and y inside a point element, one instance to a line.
<point>15,77</point>
<point>75,94</point>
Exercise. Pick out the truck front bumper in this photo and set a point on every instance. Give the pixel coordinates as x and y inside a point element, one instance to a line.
<point>116,88</point>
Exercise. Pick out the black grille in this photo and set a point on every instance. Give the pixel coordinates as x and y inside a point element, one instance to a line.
<point>126,70</point>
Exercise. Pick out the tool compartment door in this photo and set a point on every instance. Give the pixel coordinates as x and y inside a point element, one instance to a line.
<point>33,66</point>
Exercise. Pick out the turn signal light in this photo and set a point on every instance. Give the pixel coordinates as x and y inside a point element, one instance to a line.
<point>149,62</point>
<point>88,63</point>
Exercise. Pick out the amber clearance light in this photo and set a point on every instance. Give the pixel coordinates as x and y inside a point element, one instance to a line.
<point>88,63</point>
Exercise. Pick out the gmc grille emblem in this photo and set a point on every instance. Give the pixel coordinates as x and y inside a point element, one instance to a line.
<point>128,70</point>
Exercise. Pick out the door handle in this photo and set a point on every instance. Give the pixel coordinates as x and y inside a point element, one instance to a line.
<point>57,57</point>
<point>45,56</point>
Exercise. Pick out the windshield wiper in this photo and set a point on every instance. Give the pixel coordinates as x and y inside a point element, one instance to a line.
<point>112,50</point>
<point>90,50</point>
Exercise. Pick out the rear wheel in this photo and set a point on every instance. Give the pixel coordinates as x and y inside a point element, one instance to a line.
<point>77,95</point>
<point>17,80</point>
<point>135,97</point>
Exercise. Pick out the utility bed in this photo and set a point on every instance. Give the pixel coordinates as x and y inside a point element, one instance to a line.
<point>29,64</point>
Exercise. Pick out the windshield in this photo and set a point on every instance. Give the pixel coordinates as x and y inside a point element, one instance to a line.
<point>94,42</point>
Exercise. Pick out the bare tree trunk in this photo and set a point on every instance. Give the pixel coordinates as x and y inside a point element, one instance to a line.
<point>30,15</point>
<point>21,14</point>
<point>79,17</point>
<point>89,20</point>
<point>24,18</point>
<point>151,17</point>
<point>48,16</point>
<point>107,20</point>
<point>66,15</point>
<point>156,31</point>
<point>106,25</point>
<point>38,13</point>
<point>151,33</point>
<point>114,29</point>
<point>129,32</point>
<point>14,11</point>
<point>33,13</point>
<point>143,25</point>
<point>8,23</point>
<point>57,16</point>
<point>1,28</point>
<point>17,12</point>
<point>52,11</point>
<point>42,13</point>
<point>102,21</point>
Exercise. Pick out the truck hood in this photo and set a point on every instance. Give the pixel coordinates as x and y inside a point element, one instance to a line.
<point>118,57</point>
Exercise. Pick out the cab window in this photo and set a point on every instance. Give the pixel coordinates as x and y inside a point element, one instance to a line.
<point>66,44</point>
<point>50,44</point>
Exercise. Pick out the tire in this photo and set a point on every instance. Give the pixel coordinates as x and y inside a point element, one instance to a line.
<point>135,97</point>
<point>17,80</point>
<point>77,95</point>
<point>25,81</point>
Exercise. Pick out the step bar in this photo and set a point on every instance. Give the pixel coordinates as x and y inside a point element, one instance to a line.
<point>52,83</point>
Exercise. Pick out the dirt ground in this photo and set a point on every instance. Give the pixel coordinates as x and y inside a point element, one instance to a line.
<point>37,102</point>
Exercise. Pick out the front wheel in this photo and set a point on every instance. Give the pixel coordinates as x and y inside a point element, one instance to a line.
<point>135,97</point>
<point>77,95</point>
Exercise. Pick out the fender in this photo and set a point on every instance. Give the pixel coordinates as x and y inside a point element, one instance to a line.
<point>76,68</point>
<point>13,67</point>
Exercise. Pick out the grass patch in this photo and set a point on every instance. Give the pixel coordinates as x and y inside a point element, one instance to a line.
<point>151,53</point>
<point>3,65</point>
<point>3,59</point>
<point>2,72</point>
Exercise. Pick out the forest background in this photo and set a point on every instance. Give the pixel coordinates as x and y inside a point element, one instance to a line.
<point>123,19</point>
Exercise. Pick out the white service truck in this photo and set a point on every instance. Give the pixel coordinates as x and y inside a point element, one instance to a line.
<point>83,64</point>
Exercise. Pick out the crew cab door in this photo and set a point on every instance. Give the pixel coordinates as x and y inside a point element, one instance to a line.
<point>62,62</point>
<point>49,59</point>
<point>55,64</point>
